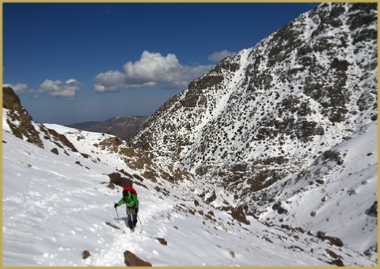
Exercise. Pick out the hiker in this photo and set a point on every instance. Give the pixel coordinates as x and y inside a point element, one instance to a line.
<point>132,203</point>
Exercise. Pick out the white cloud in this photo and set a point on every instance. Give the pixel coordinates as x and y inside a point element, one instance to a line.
<point>116,81</point>
<point>56,88</point>
<point>61,89</point>
<point>18,88</point>
<point>110,81</point>
<point>151,69</point>
<point>219,55</point>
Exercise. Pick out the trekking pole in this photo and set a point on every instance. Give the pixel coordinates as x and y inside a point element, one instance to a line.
<point>117,215</point>
<point>139,219</point>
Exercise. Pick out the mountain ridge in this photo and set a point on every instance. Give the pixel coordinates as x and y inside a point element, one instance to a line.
<point>282,137</point>
<point>122,127</point>
<point>251,107</point>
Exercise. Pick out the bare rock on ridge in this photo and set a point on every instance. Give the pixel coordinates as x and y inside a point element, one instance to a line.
<point>19,120</point>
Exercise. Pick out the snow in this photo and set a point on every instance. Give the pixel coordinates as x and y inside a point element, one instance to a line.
<point>57,206</point>
<point>54,209</point>
<point>5,124</point>
<point>341,202</point>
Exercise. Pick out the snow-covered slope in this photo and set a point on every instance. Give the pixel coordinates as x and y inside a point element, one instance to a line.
<point>269,159</point>
<point>337,194</point>
<point>55,207</point>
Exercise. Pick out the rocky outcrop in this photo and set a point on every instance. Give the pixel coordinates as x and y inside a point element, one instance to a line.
<point>19,120</point>
<point>117,179</point>
<point>130,259</point>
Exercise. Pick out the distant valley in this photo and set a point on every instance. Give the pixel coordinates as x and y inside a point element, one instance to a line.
<point>122,127</point>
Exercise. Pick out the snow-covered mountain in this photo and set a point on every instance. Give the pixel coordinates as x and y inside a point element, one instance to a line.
<point>269,159</point>
<point>58,196</point>
<point>270,111</point>
<point>277,120</point>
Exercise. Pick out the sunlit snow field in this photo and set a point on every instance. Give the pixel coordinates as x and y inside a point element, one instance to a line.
<point>56,206</point>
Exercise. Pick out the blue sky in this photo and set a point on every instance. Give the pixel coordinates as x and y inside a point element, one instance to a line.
<point>72,63</point>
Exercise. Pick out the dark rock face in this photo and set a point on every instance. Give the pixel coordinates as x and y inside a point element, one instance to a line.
<point>315,77</point>
<point>11,100</point>
<point>19,121</point>
<point>117,179</point>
